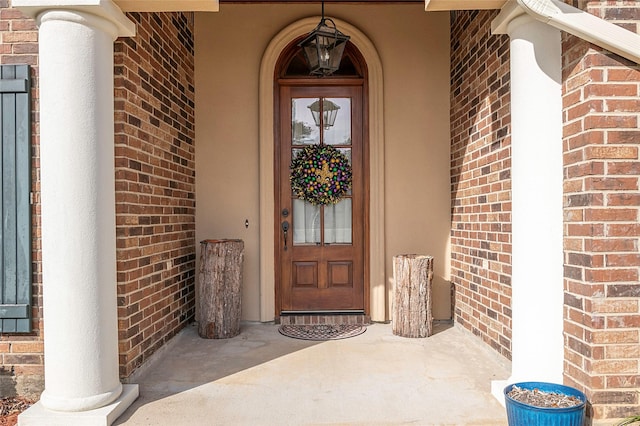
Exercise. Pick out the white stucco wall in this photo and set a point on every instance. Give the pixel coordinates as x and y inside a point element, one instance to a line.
<point>414,49</point>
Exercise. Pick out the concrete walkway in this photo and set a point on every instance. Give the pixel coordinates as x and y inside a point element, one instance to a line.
<point>263,378</point>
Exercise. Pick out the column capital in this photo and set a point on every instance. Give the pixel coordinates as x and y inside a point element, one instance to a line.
<point>574,21</point>
<point>105,9</point>
<point>510,11</point>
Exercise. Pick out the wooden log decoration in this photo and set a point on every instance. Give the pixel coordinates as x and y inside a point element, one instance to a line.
<point>412,314</point>
<point>219,288</point>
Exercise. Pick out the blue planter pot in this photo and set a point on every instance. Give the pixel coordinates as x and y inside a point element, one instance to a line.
<point>520,414</point>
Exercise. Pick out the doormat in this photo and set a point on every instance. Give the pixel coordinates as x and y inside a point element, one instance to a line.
<point>321,331</point>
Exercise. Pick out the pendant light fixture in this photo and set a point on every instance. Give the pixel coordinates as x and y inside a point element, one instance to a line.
<point>323,47</point>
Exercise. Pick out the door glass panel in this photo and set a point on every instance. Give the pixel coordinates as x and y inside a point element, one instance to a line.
<point>294,153</point>
<point>347,153</point>
<point>303,127</point>
<point>337,222</point>
<point>306,222</point>
<point>329,119</point>
<point>337,121</point>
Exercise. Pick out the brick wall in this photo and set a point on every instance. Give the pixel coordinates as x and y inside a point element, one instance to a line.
<point>155,183</point>
<point>602,202</point>
<point>21,356</point>
<point>481,178</point>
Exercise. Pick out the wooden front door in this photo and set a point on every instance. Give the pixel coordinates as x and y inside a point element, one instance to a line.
<point>320,248</point>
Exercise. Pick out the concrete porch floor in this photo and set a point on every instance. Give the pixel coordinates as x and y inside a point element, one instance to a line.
<point>263,378</point>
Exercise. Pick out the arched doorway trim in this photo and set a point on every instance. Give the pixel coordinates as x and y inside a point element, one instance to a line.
<point>376,165</point>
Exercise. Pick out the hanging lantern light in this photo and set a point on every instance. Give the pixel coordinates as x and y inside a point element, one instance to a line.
<point>323,47</point>
<point>329,113</point>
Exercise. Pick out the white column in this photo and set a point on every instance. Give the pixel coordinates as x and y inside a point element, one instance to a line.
<point>78,211</point>
<point>537,214</point>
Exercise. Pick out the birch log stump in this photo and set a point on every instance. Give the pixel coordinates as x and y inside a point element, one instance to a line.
<point>219,283</point>
<point>412,315</point>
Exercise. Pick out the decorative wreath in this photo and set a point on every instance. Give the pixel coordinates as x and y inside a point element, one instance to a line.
<point>320,174</point>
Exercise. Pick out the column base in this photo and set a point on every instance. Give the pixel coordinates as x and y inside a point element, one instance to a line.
<point>497,389</point>
<point>37,415</point>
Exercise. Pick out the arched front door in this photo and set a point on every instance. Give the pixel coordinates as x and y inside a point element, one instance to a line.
<point>321,249</point>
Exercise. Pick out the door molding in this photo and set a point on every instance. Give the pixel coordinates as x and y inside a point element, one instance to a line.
<point>378,286</point>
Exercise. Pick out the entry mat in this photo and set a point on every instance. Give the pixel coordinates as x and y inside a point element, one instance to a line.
<point>321,331</point>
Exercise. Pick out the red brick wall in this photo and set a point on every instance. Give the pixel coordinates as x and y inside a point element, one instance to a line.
<point>481,178</point>
<point>21,356</point>
<point>155,183</point>
<point>602,202</point>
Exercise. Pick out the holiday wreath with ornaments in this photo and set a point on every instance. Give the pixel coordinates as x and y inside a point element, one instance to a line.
<point>320,174</point>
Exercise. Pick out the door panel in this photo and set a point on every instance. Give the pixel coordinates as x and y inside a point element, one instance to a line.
<point>320,249</point>
<point>340,274</point>
<point>305,274</point>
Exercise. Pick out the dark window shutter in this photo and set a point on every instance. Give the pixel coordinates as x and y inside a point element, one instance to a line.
<point>15,113</point>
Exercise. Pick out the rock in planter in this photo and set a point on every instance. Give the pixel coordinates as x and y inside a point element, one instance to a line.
<point>219,288</point>
<point>523,413</point>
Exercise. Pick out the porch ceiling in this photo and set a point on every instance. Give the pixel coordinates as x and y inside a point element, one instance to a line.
<point>213,5</point>
<point>430,5</point>
<point>326,1</point>
<point>434,5</point>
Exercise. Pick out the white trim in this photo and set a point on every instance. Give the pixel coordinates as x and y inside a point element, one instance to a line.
<point>106,9</point>
<point>574,21</point>
<point>169,5</point>
<point>34,7</point>
<point>376,165</point>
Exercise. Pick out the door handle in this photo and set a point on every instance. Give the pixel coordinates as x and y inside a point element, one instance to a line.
<point>285,230</point>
